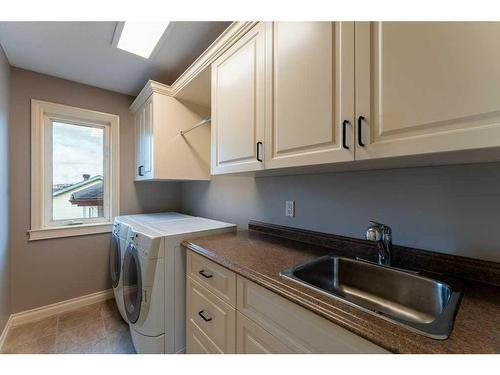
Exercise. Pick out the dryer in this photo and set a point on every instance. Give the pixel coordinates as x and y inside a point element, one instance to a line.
<point>119,241</point>
<point>144,219</point>
<point>143,283</point>
<point>154,270</point>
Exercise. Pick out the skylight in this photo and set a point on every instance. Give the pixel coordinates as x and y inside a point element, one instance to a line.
<point>141,38</point>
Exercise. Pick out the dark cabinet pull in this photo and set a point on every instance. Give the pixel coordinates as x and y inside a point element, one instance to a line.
<point>258,151</point>
<point>202,273</point>
<point>140,170</point>
<point>203,316</point>
<point>360,137</point>
<point>344,130</point>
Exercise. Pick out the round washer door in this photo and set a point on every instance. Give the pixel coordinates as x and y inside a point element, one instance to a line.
<point>132,283</point>
<point>115,260</point>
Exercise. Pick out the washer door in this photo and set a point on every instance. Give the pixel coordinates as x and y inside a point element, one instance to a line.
<point>115,260</point>
<point>132,283</point>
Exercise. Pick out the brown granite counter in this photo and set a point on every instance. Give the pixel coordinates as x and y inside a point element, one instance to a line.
<point>260,257</point>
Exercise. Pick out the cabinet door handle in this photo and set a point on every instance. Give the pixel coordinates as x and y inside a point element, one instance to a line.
<point>344,132</point>
<point>360,136</point>
<point>258,151</point>
<point>202,273</point>
<point>200,313</point>
<point>140,170</point>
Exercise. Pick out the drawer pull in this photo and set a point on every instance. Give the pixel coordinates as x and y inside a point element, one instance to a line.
<point>202,273</point>
<point>203,316</point>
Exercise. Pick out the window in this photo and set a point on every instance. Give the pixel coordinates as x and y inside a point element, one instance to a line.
<point>74,176</point>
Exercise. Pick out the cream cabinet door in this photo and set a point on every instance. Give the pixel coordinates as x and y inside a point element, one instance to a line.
<point>144,141</point>
<point>294,326</point>
<point>147,138</point>
<point>197,342</point>
<point>311,75</point>
<point>253,339</point>
<point>425,87</point>
<point>211,316</point>
<point>139,119</point>
<point>238,105</point>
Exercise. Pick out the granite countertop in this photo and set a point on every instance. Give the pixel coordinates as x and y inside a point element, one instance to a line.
<point>260,257</point>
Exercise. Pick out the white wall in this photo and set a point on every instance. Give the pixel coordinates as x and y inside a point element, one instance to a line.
<point>5,305</point>
<point>450,209</point>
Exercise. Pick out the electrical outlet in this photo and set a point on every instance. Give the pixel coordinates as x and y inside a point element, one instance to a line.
<point>290,208</point>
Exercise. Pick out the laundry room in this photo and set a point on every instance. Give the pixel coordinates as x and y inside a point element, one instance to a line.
<point>189,181</point>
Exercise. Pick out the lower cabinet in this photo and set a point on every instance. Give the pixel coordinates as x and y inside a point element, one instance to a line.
<point>209,319</point>
<point>258,322</point>
<point>198,342</point>
<point>295,327</point>
<point>253,339</point>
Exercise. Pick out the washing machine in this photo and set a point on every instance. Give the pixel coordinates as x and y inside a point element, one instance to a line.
<point>119,241</point>
<point>154,273</point>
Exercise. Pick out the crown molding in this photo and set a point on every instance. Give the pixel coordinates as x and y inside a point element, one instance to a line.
<point>234,32</point>
<point>150,88</point>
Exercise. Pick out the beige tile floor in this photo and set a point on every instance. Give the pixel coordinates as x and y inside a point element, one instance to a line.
<point>93,329</point>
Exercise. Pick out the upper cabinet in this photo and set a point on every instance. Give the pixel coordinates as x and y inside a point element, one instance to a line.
<point>238,105</point>
<point>427,87</point>
<point>310,67</point>
<point>278,99</point>
<point>144,140</point>
<point>330,92</point>
<point>162,152</point>
<point>298,94</point>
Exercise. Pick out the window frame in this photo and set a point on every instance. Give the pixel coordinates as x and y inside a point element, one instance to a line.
<point>43,114</point>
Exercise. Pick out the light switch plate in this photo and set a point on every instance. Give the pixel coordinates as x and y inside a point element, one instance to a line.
<point>290,208</point>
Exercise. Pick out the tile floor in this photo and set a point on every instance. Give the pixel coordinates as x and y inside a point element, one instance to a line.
<point>93,329</point>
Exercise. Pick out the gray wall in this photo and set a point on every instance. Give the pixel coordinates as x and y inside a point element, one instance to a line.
<point>4,191</point>
<point>450,209</point>
<point>48,271</point>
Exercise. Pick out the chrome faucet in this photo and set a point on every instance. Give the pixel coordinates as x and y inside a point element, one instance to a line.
<point>382,235</point>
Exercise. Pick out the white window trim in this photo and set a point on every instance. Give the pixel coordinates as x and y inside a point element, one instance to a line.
<point>43,113</point>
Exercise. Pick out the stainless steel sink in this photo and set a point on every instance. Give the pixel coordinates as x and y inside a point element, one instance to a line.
<point>418,303</point>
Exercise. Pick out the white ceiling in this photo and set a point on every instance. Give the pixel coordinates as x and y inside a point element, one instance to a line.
<point>82,52</point>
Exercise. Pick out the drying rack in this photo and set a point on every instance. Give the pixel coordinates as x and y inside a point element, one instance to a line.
<point>202,122</point>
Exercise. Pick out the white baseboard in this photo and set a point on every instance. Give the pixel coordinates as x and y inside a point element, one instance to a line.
<point>5,331</point>
<point>60,307</point>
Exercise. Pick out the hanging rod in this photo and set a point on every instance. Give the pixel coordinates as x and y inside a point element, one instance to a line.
<point>204,121</point>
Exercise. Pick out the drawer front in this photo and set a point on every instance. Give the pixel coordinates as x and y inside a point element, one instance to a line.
<point>253,339</point>
<point>299,328</point>
<point>215,278</point>
<point>215,318</point>
<point>197,342</point>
